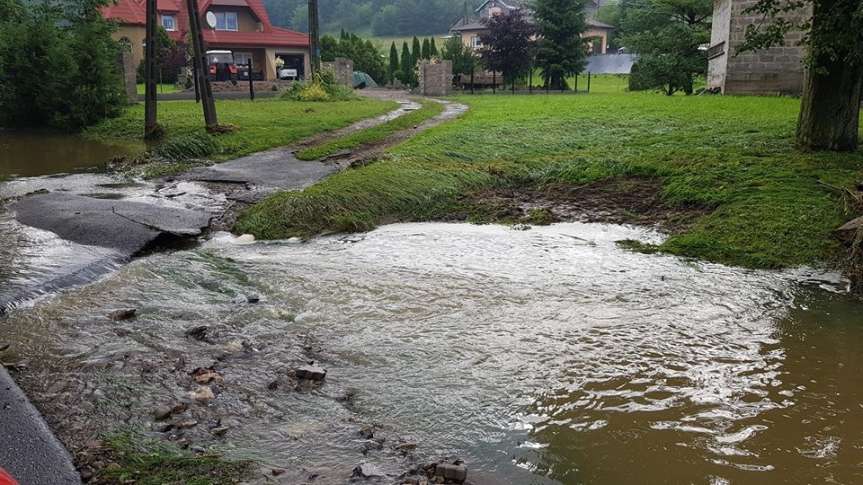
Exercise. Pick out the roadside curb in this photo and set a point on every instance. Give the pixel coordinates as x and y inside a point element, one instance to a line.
<point>28,449</point>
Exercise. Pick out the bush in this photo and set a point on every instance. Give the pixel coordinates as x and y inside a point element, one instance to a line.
<point>58,65</point>
<point>323,88</point>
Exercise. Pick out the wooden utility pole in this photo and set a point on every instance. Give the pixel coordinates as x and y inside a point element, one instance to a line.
<point>251,82</point>
<point>314,37</point>
<point>151,125</point>
<point>200,60</point>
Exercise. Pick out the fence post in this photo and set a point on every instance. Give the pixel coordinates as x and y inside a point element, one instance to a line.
<point>251,82</point>
<point>576,83</point>
<point>530,81</point>
<point>493,81</point>
<point>588,82</point>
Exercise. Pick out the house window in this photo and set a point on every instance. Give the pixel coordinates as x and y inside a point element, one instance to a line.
<point>476,41</point>
<point>169,23</point>
<point>227,21</point>
<point>242,58</point>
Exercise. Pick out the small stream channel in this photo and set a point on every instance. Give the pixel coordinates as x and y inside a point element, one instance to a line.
<point>541,356</point>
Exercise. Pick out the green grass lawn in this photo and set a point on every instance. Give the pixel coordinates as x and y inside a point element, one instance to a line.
<point>374,134</point>
<point>731,155</point>
<point>160,88</point>
<point>261,124</point>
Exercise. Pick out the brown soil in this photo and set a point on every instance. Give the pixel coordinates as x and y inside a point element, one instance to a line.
<point>616,201</point>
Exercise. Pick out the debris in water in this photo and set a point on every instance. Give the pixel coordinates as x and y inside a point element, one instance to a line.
<point>203,394</point>
<point>123,314</point>
<point>191,423</point>
<point>245,239</point>
<point>521,227</point>
<point>206,376</point>
<point>451,472</point>
<point>198,333</point>
<point>163,412</point>
<point>367,432</point>
<point>253,299</point>
<point>367,470</point>
<point>311,372</point>
<point>4,346</point>
<point>220,431</point>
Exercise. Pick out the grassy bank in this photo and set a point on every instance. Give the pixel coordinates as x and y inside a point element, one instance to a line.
<point>374,134</point>
<point>765,203</point>
<point>260,124</point>
<point>136,459</point>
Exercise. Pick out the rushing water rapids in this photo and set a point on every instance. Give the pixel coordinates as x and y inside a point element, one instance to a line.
<point>547,355</point>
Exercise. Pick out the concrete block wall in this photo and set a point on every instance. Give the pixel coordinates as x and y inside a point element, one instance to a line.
<point>435,79</point>
<point>777,70</point>
<point>343,69</point>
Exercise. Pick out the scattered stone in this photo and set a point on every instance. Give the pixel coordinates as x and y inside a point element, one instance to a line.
<point>367,432</point>
<point>203,394</point>
<point>164,427</point>
<point>4,346</point>
<point>123,314</point>
<point>180,408</point>
<point>273,385</point>
<point>162,413</point>
<point>191,423</point>
<point>206,376</point>
<point>198,333</point>
<point>521,227</point>
<point>220,431</point>
<point>311,373</point>
<point>253,299</point>
<point>277,472</point>
<point>367,470</point>
<point>451,472</point>
<point>245,239</point>
<point>853,225</point>
<point>406,447</point>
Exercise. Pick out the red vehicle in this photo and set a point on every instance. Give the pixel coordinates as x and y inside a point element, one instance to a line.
<point>6,479</point>
<point>221,66</point>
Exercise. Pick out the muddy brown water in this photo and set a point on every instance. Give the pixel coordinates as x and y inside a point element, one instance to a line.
<point>29,154</point>
<point>542,356</point>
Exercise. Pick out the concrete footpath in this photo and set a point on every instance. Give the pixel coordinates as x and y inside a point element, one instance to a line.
<point>28,450</point>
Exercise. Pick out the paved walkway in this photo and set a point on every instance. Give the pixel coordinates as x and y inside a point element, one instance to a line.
<point>28,448</point>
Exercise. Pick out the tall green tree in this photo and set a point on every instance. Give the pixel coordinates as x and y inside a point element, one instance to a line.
<point>667,35</point>
<point>507,45</point>
<point>562,49</point>
<point>433,50</point>
<point>416,50</point>
<point>364,54</point>
<point>833,35</point>
<point>394,62</point>
<point>426,49</point>
<point>407,66</point>
<point>463,59</point>
<point>58,65</point>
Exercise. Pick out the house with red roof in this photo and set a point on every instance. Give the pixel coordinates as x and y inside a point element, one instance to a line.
<point>241,26</point>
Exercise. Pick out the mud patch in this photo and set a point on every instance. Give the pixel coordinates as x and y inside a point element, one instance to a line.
<point>616,201</point>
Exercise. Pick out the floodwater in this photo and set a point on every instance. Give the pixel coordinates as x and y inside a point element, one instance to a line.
<point>541,356</point>
<point>29,154</point>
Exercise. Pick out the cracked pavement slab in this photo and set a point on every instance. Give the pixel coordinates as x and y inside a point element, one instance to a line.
<point>117,224</point>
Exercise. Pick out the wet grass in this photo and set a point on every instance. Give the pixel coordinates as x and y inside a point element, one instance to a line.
<point>147,462</point>
<point>260,125</point>
<point>374,134</point>
<point>731,155</point>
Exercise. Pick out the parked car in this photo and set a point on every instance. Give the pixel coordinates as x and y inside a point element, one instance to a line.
<point>221,66</point>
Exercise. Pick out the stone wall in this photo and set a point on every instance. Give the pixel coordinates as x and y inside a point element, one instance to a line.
<point>777,70</point>
<point>344,70</point>
<point>435,79</point>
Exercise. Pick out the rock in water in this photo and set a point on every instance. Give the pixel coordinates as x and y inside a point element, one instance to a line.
<point>203,394</point>
<point>163,412</point>
<point>311,373</point>
<point>451,472</point>
<point>367,470</point>
<point>123,314</point>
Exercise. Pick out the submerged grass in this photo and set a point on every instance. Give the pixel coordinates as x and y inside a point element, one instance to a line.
<point>733,155</point>
<point>261,124</point>
<point>374,134</point>
<point>147,462</point>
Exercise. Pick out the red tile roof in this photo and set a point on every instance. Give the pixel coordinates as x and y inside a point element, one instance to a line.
<point>134,12</point>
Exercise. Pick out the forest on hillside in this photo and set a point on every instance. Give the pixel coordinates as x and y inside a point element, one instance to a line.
<point>374,17</point>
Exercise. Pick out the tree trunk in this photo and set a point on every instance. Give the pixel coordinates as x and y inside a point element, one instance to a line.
<point>830,108</point>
